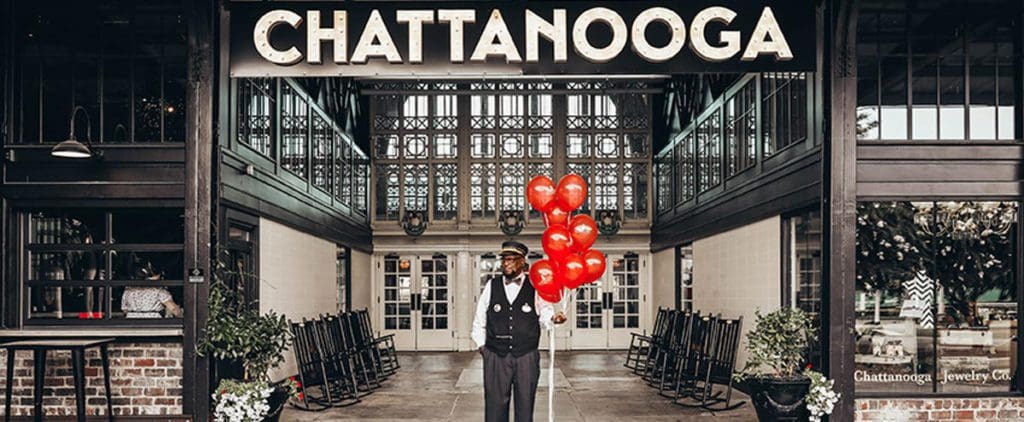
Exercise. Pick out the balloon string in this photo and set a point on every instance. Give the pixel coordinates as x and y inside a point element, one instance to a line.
<point>566,301</point>
<point>551,376</point>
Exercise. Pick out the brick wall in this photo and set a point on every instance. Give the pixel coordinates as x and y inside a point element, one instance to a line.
<point>145,379</point>
<point>980,409</point>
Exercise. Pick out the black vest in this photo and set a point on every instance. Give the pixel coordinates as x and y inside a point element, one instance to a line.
<point>512,328</point>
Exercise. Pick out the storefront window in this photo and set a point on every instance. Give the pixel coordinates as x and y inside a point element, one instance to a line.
<point>936,71</point>
<point>94,266</point>
<point>125,66</point>
<point>936,298</point>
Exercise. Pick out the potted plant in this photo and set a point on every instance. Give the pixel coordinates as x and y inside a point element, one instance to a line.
<point>781,387</point>
<point>237,331</point>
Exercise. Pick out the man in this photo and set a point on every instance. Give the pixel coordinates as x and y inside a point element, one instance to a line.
<point>506,330</point>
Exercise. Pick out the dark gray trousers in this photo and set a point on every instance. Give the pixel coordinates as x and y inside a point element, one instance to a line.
<point>505,374</point>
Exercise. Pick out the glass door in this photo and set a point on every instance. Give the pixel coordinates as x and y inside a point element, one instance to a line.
<point>608,310</point>
<point>417,302</point>
<point>433,305</point>
<point>398,300</point>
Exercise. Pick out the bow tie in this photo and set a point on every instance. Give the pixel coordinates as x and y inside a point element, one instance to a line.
<point>514,280</point>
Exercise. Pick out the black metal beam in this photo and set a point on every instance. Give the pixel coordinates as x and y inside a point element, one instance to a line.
<point>839,205</point>
<point>198,202</point>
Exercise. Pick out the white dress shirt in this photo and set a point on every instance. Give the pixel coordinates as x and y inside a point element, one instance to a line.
<point>545,309</point>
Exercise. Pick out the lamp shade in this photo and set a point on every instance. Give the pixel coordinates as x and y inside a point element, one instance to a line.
<point>71,149</point>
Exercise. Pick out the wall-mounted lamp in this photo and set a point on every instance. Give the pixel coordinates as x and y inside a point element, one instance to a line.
<point>414,223</point>
<point>511,222</point>
<point>71,148</point>
<point>608,222</point>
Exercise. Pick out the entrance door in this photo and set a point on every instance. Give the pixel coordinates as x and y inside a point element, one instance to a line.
<point>417,302</point>
<point>608,310</point>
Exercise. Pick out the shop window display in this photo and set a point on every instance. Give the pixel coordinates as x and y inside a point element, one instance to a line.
<point>936,299</point>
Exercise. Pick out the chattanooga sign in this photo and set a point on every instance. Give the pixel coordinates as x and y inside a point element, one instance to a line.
<point>408,39</point>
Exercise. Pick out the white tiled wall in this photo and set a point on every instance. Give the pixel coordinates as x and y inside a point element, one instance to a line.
<point>739,271</point>
<point>298,277</point>
<point>663,288</point>
<point>361,285</point>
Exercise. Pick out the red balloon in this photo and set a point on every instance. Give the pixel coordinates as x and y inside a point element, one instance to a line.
<point>556,216</point>
<point>543,275</point>
<point>595,265</point>
<point>583,230</point>
<point>574,270</point>
<point>571,192</point>
<point>540,193</point>
<point>557,242</point>
<point>551,297</point>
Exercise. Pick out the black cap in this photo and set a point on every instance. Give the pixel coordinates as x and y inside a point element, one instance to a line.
<point>512,247</point>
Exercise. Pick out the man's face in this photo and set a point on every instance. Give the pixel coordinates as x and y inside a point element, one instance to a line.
<point>512,265</point>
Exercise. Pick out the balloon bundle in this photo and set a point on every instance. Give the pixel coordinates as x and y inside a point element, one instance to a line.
<point>570,261</point>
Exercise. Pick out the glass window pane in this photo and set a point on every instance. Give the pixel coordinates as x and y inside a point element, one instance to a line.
<point>894,323</point>
<point>148,225</point>
<point>129,265</point>
<point>70,265</point>
<point>294,131</point>
<point>256,105</point>
<point>66,303</point>
<point>893,111</point>
<point>82,226</point>
<point>147,302</point>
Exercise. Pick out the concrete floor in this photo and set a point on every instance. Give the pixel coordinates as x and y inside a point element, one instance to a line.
<point>589,386</point>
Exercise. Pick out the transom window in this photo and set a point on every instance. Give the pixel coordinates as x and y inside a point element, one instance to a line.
<point>936,71</point>
<point>506,135</point>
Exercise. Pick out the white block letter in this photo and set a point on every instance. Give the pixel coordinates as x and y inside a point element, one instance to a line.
<point>415,19</point>
<point>767,27</point>
<point>699,43</point>
<point>670,19</point>
<point>261,36</point>
<point>315,35</point>
<point>496,30</point>
<point>608,17</point>
<point>455,19</point>
<point>375,41</point>
<point>554,32</point>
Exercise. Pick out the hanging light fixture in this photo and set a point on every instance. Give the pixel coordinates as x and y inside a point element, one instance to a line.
<point>72,148</point>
